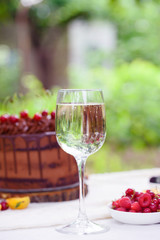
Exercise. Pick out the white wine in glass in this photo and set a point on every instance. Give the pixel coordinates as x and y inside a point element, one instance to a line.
<point>80,131</point>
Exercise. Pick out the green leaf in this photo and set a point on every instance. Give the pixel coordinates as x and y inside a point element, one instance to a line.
<point>18,204</point>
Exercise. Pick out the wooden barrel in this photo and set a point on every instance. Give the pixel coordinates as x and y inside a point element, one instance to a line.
<point>35,165</point>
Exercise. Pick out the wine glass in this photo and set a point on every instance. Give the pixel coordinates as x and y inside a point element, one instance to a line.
<point>80,131</point>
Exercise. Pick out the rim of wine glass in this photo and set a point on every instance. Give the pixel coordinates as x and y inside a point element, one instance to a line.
<point>81,90</point>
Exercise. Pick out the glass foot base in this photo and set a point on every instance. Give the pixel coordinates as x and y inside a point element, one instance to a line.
<point>82,228</point>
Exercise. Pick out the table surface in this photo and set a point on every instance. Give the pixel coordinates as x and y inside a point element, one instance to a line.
<point>39,220</point>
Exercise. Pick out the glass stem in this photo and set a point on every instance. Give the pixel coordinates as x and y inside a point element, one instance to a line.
<point>81,167</point>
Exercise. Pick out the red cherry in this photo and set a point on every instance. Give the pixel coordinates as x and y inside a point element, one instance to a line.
<point>151,193</point>
<point>136,196</point>
<point>37,117</point>
<point>155,201</point>
<point>125,202</point>
<point>4,118</point>
<point>132,210</point>
<point>147,210</point>
<point>13,118</point>
<point>144,200</point>
<point>24,114</point>
<point>53,114</point>
<point>129,192</point>
<point>44,113</point>
<point>4,206</point>
<point>153,207</point>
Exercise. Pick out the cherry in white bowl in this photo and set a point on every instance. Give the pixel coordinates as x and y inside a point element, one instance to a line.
<point>134,218</point>
<point>136,207</point>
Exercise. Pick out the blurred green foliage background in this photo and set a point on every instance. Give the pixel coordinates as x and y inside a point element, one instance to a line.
<point>131,87</point>
<point>131,92</point>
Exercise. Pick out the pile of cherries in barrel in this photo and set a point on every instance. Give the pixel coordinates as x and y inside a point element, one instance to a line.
<point>140,202</point>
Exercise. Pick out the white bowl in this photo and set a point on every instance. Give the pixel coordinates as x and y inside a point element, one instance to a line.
<point>134,218</point>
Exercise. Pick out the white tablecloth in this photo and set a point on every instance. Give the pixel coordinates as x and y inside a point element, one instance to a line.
<point>39,220</point>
